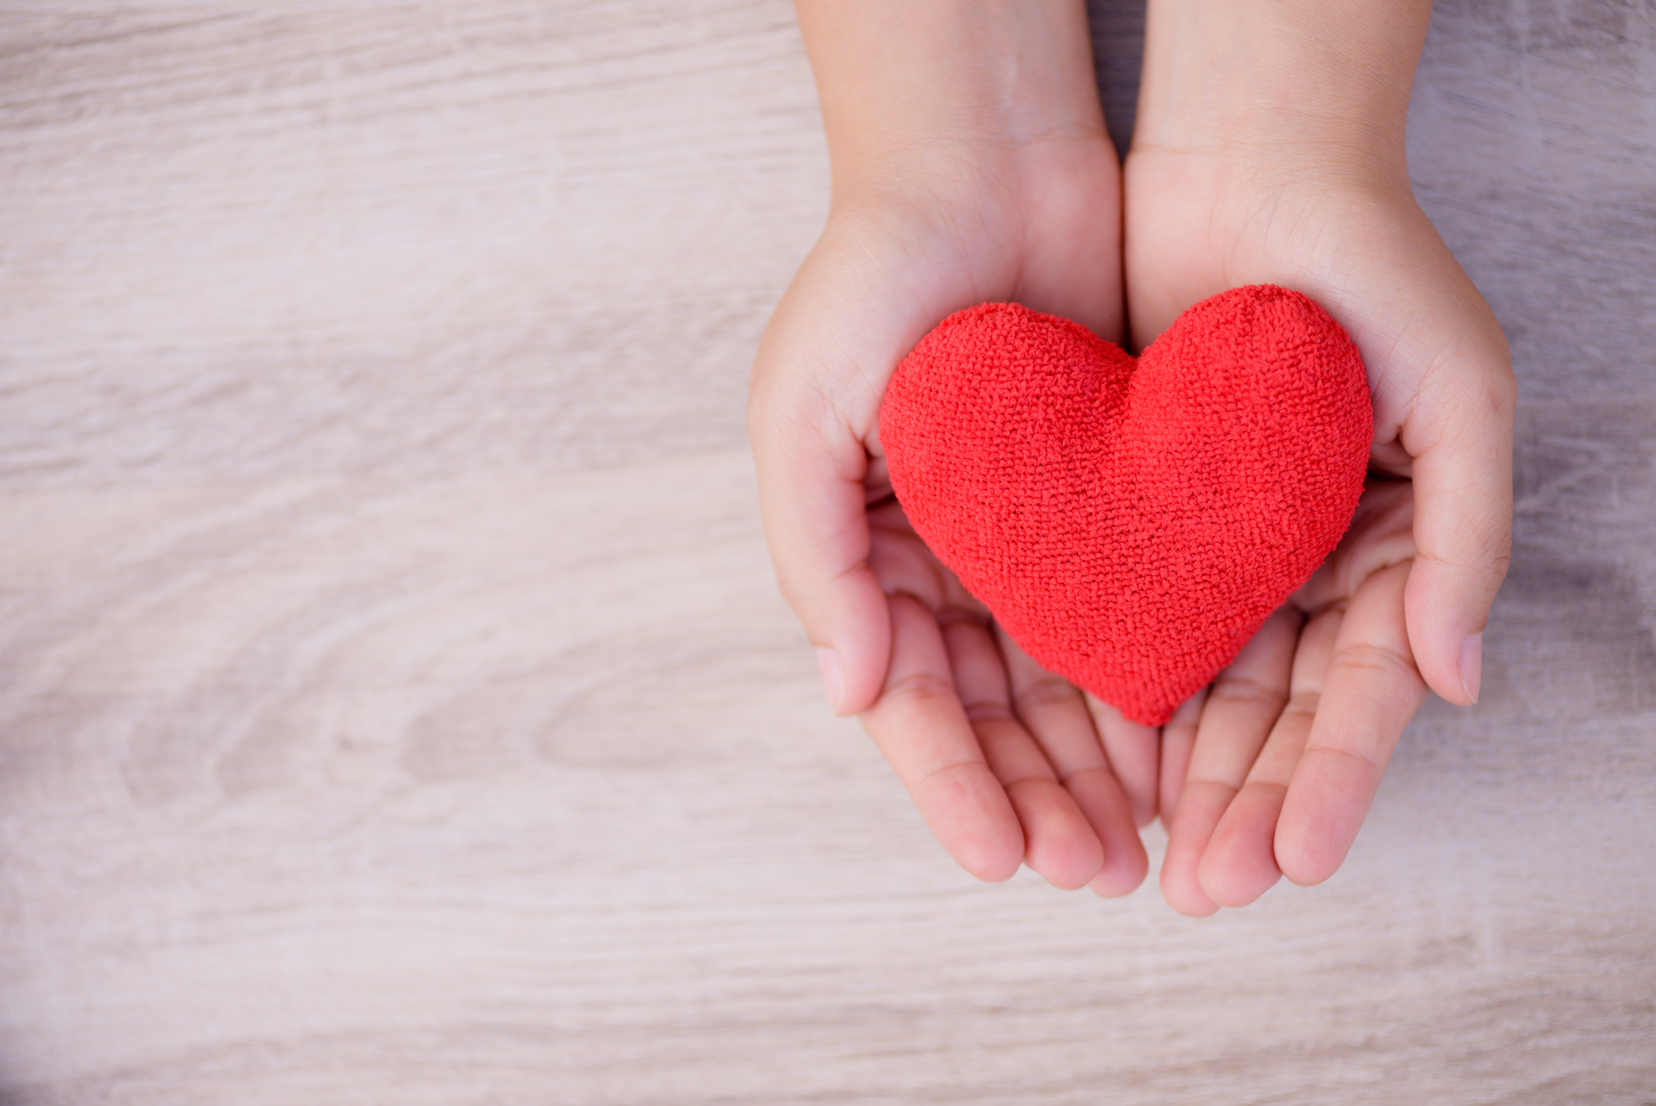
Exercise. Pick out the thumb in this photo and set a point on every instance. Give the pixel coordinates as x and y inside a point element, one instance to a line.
<point>811,464</point>
<point>1460,436</point>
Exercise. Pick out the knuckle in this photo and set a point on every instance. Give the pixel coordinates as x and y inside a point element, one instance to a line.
<point>1044,691</point>
<point>1028,780</point>
<point>1385,660</point>
<point>1245,690</point>
<point>944,772</point>
<point>1349,763</point>
<point>987,710</point>
<point>1501,390</point>
<point>1303,704</point>
<point>919,687</point>
<point>1076,775</point>
<point>1499,562</point>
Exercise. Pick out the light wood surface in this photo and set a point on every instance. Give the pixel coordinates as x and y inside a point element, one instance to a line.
<point>395,705</point>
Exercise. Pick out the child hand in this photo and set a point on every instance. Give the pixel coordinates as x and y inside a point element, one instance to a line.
<point>1285,166</point>
<point>970,164</point>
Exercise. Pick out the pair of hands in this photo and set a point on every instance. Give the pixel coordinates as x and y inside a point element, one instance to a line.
<point>1271,770</point>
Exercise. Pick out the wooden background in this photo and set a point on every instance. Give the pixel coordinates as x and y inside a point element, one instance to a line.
<point>395,705</point>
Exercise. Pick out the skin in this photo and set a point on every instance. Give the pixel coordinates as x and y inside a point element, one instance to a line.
<point>1269,149</point>
<point>970,163</point>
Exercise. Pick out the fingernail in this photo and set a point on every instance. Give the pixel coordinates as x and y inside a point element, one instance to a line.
<point>1471,664</point>
<point>833,676</point>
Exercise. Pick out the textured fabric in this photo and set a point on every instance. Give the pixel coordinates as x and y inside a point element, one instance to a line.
<point>1132,525</point>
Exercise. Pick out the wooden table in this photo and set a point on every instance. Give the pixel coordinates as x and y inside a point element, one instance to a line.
<point>395,704</point>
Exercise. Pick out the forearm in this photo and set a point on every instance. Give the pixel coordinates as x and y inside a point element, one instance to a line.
<point>1284,79</point>
<point>923,80</point>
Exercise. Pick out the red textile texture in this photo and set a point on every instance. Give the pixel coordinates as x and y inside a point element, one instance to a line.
<point>1132,524</point>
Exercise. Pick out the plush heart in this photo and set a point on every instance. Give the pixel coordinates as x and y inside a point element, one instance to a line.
<point>1132,524</point>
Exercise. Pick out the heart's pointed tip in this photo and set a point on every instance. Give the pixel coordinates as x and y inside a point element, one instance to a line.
<point>1143,701</point>
<point>1155,719</point>
<point>1146,711</point>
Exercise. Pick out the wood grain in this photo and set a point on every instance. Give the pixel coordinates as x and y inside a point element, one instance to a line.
<point>395,705</point>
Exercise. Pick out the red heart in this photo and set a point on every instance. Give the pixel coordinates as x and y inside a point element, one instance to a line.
<point>1132,525</point>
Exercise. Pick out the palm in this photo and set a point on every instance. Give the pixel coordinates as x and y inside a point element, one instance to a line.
<point>1273,769</point>
<point>1230,757</point>
<point>1007,763</point>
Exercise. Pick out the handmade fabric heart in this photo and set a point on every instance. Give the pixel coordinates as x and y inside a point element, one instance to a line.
<point>1132,524</point>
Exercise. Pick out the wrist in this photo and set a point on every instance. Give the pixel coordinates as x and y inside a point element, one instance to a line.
<point>938,90</point>
<point>1282,86</point>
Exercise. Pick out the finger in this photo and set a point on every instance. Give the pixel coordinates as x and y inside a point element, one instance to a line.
<point>902,563</point>
<point>1381,534</point>
<point>1242,705</point>
<point>1178,737</point>
<point>1462,471</point>
<point>1059,843</point>
<point>921,728</point>
<point>1240,862</point>
<point>1134,750</point>
<point>1052,710</point>
<point>1371,690</point>
<point>810,473</point>
<point>811,459</point>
